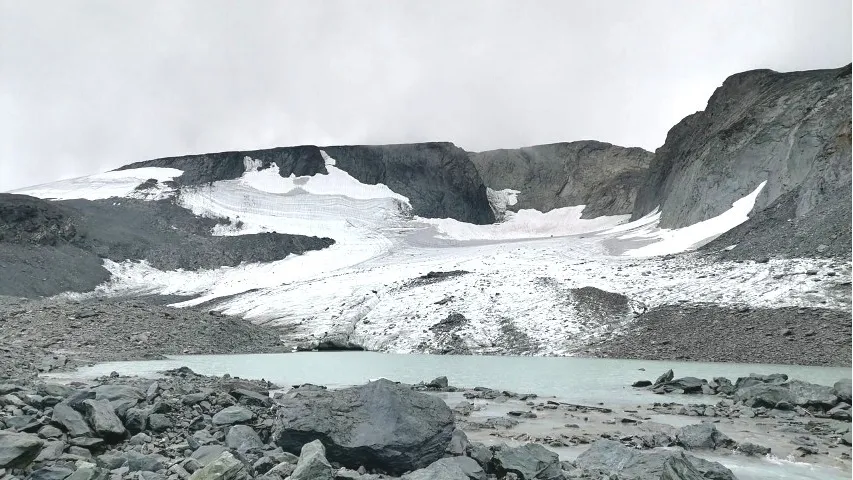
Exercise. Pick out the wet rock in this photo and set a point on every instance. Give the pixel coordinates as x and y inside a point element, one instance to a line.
<point>102,418</point>
<point>379,425</point>
<point>702,436</point>
<point>756,379</point>
<point>17,450</point>
<point>641,384</point>
<point>454,468</point>
<point>530,461</point>
<point>312,464</point>
<point>243,438</point>
<point>223,467</point>
<point>71,420</point>
<point>232,415</point>
<point>752,450</point>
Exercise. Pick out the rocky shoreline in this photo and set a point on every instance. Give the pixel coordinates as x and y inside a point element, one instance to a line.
<point>188,426</point>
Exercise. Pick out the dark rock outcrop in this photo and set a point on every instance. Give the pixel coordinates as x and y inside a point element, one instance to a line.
<point>36,235</point>
<point>602,176</point>
<point>379,425</point>
<point>789,129</point>
<point>438,178</point>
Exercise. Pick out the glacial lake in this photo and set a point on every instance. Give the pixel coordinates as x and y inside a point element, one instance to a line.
<point>571,379</point>
<point>577,380</point>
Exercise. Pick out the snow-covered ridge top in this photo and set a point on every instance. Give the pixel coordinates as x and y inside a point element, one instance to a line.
<point>118,183</point>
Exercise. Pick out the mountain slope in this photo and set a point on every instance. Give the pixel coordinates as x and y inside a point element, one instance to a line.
<point>438,178</point>
<point>602,176</point>
<point>791,130</point>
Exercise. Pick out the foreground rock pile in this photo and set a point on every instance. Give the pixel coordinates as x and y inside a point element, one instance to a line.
<point>187,426</point>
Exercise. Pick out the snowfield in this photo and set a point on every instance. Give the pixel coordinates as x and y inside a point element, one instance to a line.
<point>118,183</point>
<point>519,286</point>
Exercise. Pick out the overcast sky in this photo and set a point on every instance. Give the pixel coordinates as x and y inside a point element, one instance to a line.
<point>87,86</point>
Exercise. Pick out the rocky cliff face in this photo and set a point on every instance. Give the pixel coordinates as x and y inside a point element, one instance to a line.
<point>789,129</point>
<point>438,178</point>
<point>602,176</point>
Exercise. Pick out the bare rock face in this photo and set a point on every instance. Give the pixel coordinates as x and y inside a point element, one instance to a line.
<point>791,130</point>
<point>602,176</point>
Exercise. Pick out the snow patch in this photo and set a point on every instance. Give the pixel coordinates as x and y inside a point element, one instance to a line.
<point>679,240</point>
<point>500,200</point>
<point>526,224</point>
<point>118,183</point>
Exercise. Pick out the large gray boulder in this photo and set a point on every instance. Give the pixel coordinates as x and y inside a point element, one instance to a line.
<point>70,420</point>
<point>453,468</point>
<point>608,457</point>
<point>812,395</point>
<point>757,379</point>
<point>843,388</point>
<point>687,384</point>
<point>104,421</point>
<point>243,438</point>
<point>764,395</point>
<point>17,450</point>
<point>381,425</point>
<point>232,415</point>
<point>529,462</point>
<point>312,464</point>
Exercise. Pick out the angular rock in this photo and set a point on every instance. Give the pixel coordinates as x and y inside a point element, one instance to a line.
<point>641,384</point>
<point>757,379</point>
<point>666,377</point>
<point>89,473</point>
<point>458,443</point>
<point>208,453</point>
<point>701,436</point>
<point>530,461</point>
<point>312,464</point>
<point>138,462</point>
<point>49,431</point>
<point>89,443</point>
<point>136,419</point>
<point>223,467</point>
<point>613,458</point>
<point>70,420</point>
<point>811,395</point>
<point>764,395</point>
<point>232,415</point>
<point>243,438</point>
<point>51,451</point>
<point>50,473</point>
<point>688,384</point>
<point>439,382</point>
<point>379,425</point>
<point>159,422</point>
<point>842,389</point>
<point>17,450</point>
<point>454,468</point>
<point>104,421</point>
<point>251,398</point>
